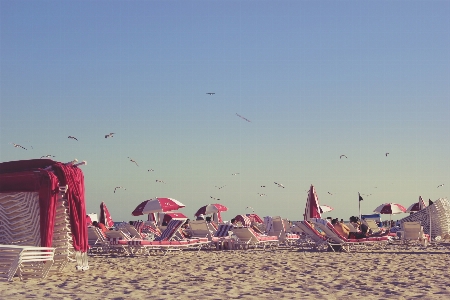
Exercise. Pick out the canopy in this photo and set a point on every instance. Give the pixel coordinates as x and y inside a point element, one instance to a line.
<point>105,216</point>
<point>157,205</point>
<point>312,209</point>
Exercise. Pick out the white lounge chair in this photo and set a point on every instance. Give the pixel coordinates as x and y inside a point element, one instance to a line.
<point>412,232</point>
<point>247,237</point>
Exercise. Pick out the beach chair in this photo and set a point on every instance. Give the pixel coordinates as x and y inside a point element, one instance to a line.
<point>247,237</point>
<point>313,238</point>
<point>351,227</point>
<point>25,261</point>
<point>113,244</point>
<point>412,232</point>
<point>279,229</point>
<point>166,241</point>
<point>222,237</point>
<point>96,239</point>
<point>201,229</point>
<point>335,239</point>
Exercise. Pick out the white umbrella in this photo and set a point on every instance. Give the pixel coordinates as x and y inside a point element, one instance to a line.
<point>325,208</point>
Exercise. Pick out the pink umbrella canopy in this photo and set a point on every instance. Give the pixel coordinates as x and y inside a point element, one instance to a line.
<point>210,209</point>
<point>312,209</point>
<point>417,206</point>
<point>390,209</point>
<point>157,205</point>
<point>105,216</point>
<point>173,215</point>
<point>325,208</point>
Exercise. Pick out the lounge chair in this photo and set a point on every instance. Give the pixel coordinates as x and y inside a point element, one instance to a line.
<point>96,239</point>
<point>26,261</point>
<point>201,228</point>
<point>412,232</point>
<point>313,237</point>
<point>222,237</point>
<point>247,237</point>
<point>337,239</point>
<point>280,229</point>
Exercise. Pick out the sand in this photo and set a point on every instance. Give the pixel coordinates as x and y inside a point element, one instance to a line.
<point>392,273</point>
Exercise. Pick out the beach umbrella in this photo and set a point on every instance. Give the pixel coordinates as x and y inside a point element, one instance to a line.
<point>390,209</point>
<point>415,207</point>
<point>105,216</point>
<point>157,205</point>
<point>173,215</point>
<point>325,208</point>
<point>210,209</point>
<point>312,209</point>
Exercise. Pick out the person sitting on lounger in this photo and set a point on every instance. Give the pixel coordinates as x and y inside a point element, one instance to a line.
<point>340,227</point>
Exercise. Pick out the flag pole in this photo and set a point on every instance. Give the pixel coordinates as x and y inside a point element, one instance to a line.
<point>359,205</point>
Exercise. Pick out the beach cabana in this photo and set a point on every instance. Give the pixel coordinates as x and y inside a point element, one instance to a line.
<point>42,204</point>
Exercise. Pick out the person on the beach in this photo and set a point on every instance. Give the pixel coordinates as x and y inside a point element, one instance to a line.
<point>340,227</point>
<point>100,225</point>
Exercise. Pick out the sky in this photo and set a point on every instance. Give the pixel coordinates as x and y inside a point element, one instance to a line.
<point>316,80</point>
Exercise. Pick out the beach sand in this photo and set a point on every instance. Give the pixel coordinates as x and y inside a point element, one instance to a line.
<point>255,274</point>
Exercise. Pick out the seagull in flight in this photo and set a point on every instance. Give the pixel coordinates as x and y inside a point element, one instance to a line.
<point>343,156</point>
<point>109,135</point>
<point>18,146</point>
<point>387,153</point>
<point>157,180</point>
<point>119,187</point>
<point>263,186</point>
<point>330,193</point>
<point>48,155</point>
<point>250,208</point>
<point>242,117</point>
<point>262,195</point>
<point>211,94</point>
<point>214,198</point>
<point>72,137</point>
<point>440,185</point>
<point>219,187</point>
<point>235,174</point>
<point>150,170</point>
<point>132,160</point>
<point>279,185</point>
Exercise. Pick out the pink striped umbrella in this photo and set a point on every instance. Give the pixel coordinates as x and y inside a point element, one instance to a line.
<point>312,209</point>
<point>105,216</point>
<point>417,206</point>
<point>390,209</point>
<point>210,209</point>
<point>157,205</point>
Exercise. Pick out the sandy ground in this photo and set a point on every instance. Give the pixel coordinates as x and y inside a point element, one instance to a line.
<point>392,273</point>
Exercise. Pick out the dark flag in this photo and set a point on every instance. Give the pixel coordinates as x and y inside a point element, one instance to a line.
<point>360,198</point>
<point>430,202</point>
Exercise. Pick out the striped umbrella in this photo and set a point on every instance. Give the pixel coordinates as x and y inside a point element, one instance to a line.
<point>157,205</point>
<point>105,216</point>
<point>415,207</point>
<point>312,209</point>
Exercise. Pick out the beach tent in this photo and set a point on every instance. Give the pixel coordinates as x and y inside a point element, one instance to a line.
<point>42,203</point>
<point>312,209</point>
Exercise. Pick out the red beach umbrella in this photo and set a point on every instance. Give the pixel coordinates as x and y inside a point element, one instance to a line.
<point>312,209</point>
<point>390,209</point>
<point>417,206</point>
<point>157,205</point>
<point>105,216</point>
<point>210,209</point>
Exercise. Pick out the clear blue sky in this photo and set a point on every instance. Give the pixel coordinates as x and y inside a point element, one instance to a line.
<point>317,79</point>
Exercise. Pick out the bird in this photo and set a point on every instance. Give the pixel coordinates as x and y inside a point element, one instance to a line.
<point>72,137</point>
<point>387,153</point>
<point>211,94</point>
<point>132,160</point>
<point>48,155</point>
<point>343,156</point>
<point>160,181</point>
<point>440,185</point>
<point>250,208</point>
<point>330,193</point>
<point>109,135</point>
<point>119,187</point>
<point>219,187</point>
<point>235,174</point>
<point>279,185</point>
<point>242,117</point>
<point>263,186</point>
<point>150,170</point>
<point>18,146</point>
<point>261,195</point>
<point>214,198</point>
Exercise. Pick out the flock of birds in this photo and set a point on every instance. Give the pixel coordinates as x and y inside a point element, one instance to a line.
<point>111,134</point>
